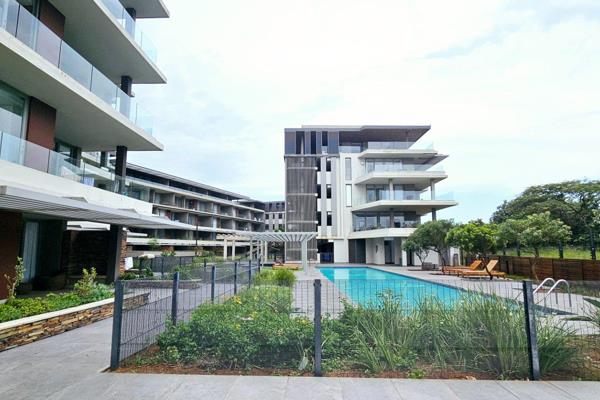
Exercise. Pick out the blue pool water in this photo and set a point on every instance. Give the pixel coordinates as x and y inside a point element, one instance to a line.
<point>364,285</point>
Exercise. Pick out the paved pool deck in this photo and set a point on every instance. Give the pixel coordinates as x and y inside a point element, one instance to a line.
<point>70,365</point>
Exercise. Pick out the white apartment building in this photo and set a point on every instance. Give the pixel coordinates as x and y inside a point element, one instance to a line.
<point>68,117</point>
<point>363,189</point>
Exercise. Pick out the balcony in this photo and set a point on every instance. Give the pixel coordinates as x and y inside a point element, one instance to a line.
<point>27,154</point>
<point>419,202</point>
<point>31,75</point>
<point>121,15</point>
<point>109,37</point>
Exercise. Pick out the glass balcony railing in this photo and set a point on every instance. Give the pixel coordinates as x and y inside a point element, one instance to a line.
<point>20,23</point>
<point>379,193</point>
<point>128,23</point>
<point>395,166</point>
<point>18,151</point>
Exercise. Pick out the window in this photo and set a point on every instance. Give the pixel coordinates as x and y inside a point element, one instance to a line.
<point>280,216</point>
<point>313,142</point>
<point>299,142</point>
<point>328,189</point>
<point>318,164</point>
<point>12,111</point>
<point>324,143</point>
<point>377,192</point>
<point>318,190</point>
<point>348,167</point>
<point>319,218</point>
<point>328,165</point>
<point>348,195</point>
<point>329,218</point>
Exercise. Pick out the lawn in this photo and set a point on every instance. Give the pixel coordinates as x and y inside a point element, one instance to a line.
<point>577,253</point>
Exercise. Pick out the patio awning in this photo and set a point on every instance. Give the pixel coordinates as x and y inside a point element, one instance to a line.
<point>28,201</point>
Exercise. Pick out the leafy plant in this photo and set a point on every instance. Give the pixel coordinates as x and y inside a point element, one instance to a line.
<point>415,245</point>
<point>474,238</point>
<point>432,234</point>
<point>280,277</point>
<point>592,314</point>
<point>88,289</point>
<point>12,281</point>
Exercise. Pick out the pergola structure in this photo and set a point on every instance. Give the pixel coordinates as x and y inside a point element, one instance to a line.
<point>263,239</point>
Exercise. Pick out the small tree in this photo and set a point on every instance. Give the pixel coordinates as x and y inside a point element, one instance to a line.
<point>474,238</point>
<point>542,230</point>
<point>153,244</point>
<point>12,281</point>
<point>416,247</point>
<point>509,233</point>
<point>432,234</point>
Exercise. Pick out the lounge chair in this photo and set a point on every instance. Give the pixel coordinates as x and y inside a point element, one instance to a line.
<point>488,271</point>
<point>475,265</point>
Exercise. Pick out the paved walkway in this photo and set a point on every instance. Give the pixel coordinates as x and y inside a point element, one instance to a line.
<point>69,366</point>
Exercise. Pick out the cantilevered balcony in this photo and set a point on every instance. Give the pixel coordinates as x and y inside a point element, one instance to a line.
<point>400,173</point>
<point>108,36</point>
<point>417,201</point>
<point>92,112</point>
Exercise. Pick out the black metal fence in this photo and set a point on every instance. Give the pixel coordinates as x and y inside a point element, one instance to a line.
<point>144,308</point>
<point>165,266</point>
<point>444,328</point>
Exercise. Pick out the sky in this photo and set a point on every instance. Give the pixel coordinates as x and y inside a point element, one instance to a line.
<point>511,89</point>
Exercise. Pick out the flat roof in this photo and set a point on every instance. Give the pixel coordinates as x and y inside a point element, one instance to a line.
<point>189,182</point>
<point>373,132</point>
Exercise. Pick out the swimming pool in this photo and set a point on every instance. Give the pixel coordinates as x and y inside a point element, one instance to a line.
<point>363,285</point>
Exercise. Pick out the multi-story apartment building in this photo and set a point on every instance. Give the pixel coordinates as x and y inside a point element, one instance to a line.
<point>68,117</point>
<point>363,189</point>
<point>275,216</point>
<point>205,212</point>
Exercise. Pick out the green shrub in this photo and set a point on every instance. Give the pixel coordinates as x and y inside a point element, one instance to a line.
<point>254,328</point>
<point>280,277</point>
<point>86,290</point>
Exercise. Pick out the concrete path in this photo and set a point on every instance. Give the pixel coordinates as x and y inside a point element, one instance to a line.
<point>69,366</point>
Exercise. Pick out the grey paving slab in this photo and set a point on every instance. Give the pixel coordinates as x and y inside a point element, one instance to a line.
<point>202,387</point>
<point>579,390</point>
<point>424,389</point>
<point>257,388</point>
<point>368,388</point>
<point>477,390</point>
<point>303,388</point>
<point>523,390</point>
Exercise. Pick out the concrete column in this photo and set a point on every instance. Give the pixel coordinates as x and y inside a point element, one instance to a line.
<point>224,250</point>
<point>233,250</point>
<point>432,187</point>
<point>304,247</point>
<point>391,189</point>
<point>113,261</point>
<point>433,214</point>
<point>251,249</point>
<point>266,250</point>
<point>126,85</point>
<point>121,169</point>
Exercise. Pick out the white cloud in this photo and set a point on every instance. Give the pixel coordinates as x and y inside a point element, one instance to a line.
<point>510,88</point>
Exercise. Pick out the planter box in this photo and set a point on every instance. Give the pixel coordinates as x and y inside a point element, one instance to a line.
<point>29,329</point>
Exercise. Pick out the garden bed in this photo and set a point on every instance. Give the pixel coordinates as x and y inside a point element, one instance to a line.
<point>259,333</point>
<point>30,329</point>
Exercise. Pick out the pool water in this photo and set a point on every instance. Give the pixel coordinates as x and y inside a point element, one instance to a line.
<point>363,285</point>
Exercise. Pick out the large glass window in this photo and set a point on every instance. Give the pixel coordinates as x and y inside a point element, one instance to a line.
<point>348,168</point>
<point>348,195</point>
<point>377,192</point>
<point>12,111</point>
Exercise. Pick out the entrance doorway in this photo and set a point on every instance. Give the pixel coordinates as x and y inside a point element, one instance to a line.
<point>388,248</point>
<point>357,249</point>
<point>325,249</point>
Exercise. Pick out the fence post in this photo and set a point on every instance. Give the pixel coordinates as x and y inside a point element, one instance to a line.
<point>115,350</point>
<point>317,322</point>
<point>174,298</point>
<point>530,329</point>
<point>213,278</point>
<point>235,273</point>
<point>250,273</point>
<point>205,264</point>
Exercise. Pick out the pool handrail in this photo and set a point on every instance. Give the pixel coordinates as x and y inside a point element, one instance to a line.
<point>552,289</point>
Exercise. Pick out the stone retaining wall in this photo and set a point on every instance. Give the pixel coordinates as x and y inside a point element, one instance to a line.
<point>26,330</point>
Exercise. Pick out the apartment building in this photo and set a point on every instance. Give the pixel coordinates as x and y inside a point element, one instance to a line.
<point>363,189</point>
<point>205,212</point>
<point>275,216</point>
<point>68,118</point>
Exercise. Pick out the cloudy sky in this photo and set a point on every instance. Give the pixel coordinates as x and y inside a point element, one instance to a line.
<point>510,88</point>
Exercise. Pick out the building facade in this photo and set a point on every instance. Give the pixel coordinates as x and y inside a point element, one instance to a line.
<point>68,117</point>
<point>205,211</point>
<point>275,216</point>
<point>363,189</point>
